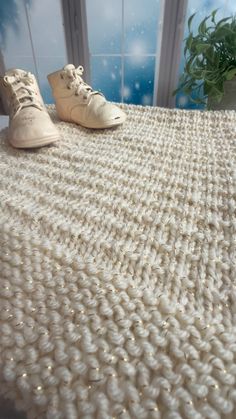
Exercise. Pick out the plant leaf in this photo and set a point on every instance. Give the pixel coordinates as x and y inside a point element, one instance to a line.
<point>213,14</point>
<point>188,64</point>
<point>217,92</point>
<point>210,57</point>
<point>230,74</point>
<point>202,27</point>
<point>207,88</point>
<point>175,91</point>
<point>210,54</point>
<point>189,41</point>
<point>221,32</point>
<point>202,48</point>
<point>198,101</point>
<point>190,20</point>
<point>222,21</point>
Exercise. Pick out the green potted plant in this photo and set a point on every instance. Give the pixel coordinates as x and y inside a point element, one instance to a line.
<point>210,63</point>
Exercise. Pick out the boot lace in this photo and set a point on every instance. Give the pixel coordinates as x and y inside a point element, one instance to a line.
<point>23,92</point>
<point>74,81</point>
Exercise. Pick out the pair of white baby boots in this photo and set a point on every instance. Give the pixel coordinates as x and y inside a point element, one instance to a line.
<point>30,124</point>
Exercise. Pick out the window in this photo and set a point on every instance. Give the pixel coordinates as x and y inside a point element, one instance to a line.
<point>122,48</point>
<point>130,48</point>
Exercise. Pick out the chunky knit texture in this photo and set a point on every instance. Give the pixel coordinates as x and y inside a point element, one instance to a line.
<point>118,270</point>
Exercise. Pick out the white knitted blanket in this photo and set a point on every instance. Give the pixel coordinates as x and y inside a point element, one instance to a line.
<point>118,270</point>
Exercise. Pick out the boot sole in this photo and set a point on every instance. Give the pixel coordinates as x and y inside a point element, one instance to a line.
<point>114,123</point>
<point>37,142</point>
<point>109,124</point>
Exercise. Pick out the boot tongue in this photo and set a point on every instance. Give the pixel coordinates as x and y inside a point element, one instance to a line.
<point>20,83</point>
<point>14,72</point>
<point>14,75</point>
<point>69,67</point>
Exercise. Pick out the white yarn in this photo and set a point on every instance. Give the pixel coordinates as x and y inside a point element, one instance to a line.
<point>118,261</point>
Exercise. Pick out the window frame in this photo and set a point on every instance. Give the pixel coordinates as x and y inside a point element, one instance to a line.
<point>170,35</point>
<point>76,33</point>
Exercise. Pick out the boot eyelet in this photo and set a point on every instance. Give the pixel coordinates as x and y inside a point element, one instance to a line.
<point>5,81</point>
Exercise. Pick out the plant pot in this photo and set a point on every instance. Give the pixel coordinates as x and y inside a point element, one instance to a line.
<point>229,99</point>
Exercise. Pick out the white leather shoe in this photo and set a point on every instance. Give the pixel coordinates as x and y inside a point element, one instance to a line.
<point>77,102</point>
<point>29,122</point>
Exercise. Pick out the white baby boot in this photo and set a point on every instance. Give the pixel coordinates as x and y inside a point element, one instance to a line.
<point>77,102</point>
<point>29,122</point>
